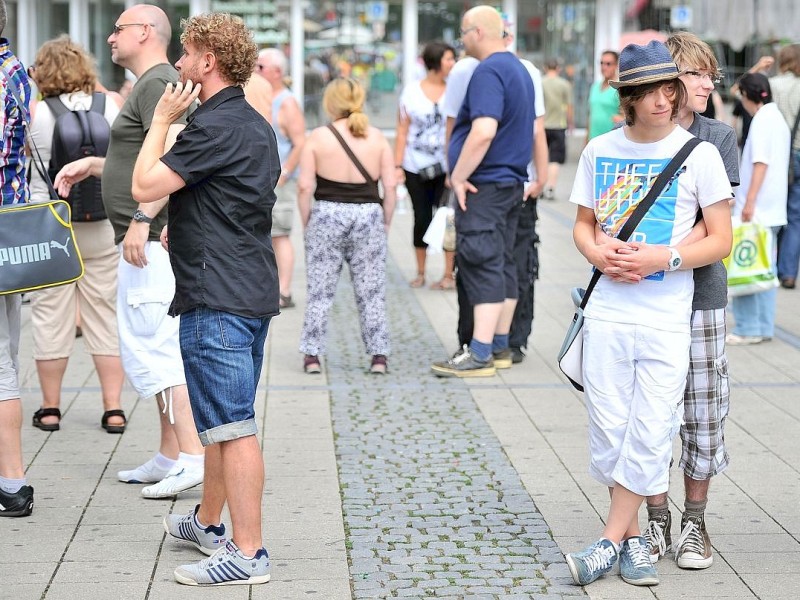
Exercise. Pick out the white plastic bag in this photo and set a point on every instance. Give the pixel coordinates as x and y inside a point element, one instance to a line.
<point>434,236</point>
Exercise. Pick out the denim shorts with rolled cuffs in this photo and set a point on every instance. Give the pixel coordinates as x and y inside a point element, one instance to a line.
<point>222,356</point>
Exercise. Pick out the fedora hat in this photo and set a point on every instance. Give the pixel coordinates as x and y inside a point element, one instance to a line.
<point>639,65</point>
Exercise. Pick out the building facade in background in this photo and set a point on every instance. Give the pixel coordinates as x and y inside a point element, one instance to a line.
<point>378,41</point>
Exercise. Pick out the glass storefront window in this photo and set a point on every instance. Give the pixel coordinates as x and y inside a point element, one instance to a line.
<point>570,35</point>
<point>102,16</point>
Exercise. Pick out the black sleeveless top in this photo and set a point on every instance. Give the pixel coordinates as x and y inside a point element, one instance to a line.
<point>348,193</point>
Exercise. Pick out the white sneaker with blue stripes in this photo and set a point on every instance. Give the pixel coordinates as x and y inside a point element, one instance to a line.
<point>185,527</point>
<point>227,566</point>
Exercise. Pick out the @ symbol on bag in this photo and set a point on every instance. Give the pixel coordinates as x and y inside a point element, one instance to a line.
<point>745,253</point>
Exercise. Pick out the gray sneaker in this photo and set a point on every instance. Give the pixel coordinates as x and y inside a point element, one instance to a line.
<point>185,527</point>
<point>464,364</point>
<point>227,566</point>
<point>503,359</point>
<point>592,562</point>
<point>635,566</point>
<point>693,549</point>
<point>657,534</point>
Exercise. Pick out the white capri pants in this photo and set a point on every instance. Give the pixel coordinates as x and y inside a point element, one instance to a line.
<point>634,377</point>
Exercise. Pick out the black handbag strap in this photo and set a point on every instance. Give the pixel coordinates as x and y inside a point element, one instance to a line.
<point>352,155</point>
<point>37,159</point>
<point>641,209</point>
<point>794,132</point>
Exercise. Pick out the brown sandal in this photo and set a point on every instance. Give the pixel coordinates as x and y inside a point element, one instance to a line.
<point>418,282</point>
<point>445,283</point>
<point>379,365</point>
<point>311,364</point>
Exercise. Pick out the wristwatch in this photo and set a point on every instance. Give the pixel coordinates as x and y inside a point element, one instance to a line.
<point>675,260</point>
<point>140,217</point>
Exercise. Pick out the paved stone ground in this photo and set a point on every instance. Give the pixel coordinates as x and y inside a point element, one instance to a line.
<point>432,506</point>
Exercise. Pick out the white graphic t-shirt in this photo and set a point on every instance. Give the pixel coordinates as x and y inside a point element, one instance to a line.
<point>614,175</point>
<point>425,141</point>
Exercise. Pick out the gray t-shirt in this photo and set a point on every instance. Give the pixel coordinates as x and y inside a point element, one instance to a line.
<point>711,281</point>
<point>127,135</point>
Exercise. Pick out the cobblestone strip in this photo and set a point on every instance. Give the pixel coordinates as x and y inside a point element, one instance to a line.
<point>432,506</point>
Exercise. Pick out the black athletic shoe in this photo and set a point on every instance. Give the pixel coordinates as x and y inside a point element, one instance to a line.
<point>517,356</point>
<point>19,504</point>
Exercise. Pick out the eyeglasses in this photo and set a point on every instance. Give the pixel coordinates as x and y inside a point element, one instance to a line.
<point>464,32</point>
<point>697,75</point>
<point>118,28</point>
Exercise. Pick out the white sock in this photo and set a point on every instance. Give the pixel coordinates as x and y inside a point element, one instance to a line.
<point>11,486</point>
<point>163,462</point>
<point>193,460</point>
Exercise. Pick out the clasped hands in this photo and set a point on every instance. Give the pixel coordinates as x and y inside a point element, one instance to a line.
<point>628,262</point>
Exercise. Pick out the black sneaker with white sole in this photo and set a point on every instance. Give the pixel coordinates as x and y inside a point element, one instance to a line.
<point>18,504</point>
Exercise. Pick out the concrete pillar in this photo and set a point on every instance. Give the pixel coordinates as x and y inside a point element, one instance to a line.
<point>196,7</point>
<point>410,39</point>
<point>607,28</point>
<point>510,9</point>
<point>296,46</point>
<point>25,46</point>
<point>78,23</point>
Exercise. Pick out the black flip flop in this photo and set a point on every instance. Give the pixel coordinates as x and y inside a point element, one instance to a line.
<point>114,428</point>
<point>47,412</point>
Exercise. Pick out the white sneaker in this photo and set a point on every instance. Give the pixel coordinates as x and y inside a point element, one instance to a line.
<point>181,477</point>
<point>146,473</point>
<point>733,339</point>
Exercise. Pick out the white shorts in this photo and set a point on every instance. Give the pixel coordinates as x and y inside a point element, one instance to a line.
<point>634,377</point>
<point>148,336</point>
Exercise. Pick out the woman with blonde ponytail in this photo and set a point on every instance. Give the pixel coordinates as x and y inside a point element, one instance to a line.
<point>342,164</point>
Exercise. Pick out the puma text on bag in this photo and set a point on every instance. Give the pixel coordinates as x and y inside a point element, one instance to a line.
<point>37,247</point>
<point>77,134</point>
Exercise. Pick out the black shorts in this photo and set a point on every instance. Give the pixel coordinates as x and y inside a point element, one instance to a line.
<point>485,235</point>
<point>556,145</point>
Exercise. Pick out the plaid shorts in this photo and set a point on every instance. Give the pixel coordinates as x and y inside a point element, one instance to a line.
<point>706,399</point>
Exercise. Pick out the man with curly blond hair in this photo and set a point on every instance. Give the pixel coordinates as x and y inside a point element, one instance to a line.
<point>220,176</point>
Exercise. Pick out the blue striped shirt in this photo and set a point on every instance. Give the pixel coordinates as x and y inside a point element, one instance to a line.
<point>13,180</point>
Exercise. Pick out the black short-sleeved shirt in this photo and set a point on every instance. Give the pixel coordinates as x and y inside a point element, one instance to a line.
<point>220,222</point>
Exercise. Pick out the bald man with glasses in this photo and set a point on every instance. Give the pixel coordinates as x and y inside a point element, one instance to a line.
<point>148,337</point>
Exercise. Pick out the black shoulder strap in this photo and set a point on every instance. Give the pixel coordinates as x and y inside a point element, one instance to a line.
<point>641,209</point>
<point>37,160</point>
<point>794,129</point>
<point>352,156</point>
<point>98,103</point>
<point>56,106</point>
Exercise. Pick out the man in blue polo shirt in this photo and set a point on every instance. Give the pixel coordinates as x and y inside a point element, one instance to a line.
<point>220,176</point>
<point>490,148</point>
